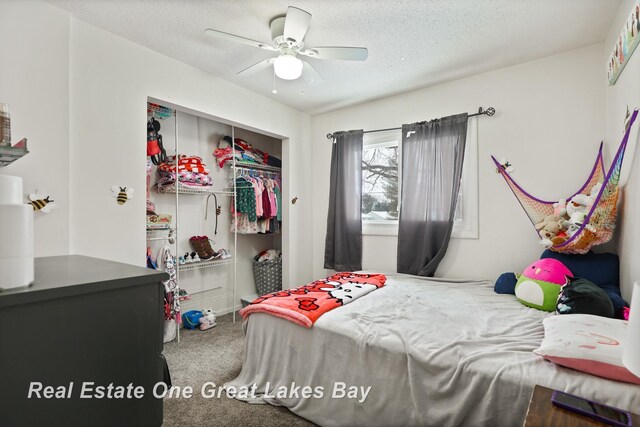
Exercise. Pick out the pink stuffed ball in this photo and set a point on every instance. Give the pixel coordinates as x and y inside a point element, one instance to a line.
<point>549,270</point>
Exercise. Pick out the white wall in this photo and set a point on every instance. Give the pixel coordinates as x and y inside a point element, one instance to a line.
<point>111,79</point>
<point>550,112</point>
<point>626,92</point>
<point>34,81</point>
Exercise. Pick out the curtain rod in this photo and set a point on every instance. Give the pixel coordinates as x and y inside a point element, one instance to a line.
<point>481,112</point>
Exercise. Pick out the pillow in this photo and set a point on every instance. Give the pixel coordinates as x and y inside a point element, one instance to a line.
<point>601,269</point>
<point>581,296</point>
<point>506,284</point>
<point>540,283</point>
<point>587,343</point>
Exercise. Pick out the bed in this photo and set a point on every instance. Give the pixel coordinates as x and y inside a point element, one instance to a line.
<point>434,351</point>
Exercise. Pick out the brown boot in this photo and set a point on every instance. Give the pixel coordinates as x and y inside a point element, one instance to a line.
<point>199,245</point>
<point>209,249</point>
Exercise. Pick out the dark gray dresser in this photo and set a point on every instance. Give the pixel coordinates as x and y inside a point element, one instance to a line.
<point>83,321</point>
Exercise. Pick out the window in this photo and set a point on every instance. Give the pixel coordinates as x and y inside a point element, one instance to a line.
<point>380,187</point>
<point>381,183</point>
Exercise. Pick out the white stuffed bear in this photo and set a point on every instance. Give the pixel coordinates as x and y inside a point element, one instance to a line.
<point>208,320</point>
<point>578,208</point>
<point>579,203</point>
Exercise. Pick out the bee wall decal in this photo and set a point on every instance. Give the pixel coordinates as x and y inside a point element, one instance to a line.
<point>41,203</point>
<point>505,165</point>
<point>122,194</point>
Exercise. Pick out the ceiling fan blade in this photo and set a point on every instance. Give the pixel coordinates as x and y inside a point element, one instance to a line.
<point>296,24</point>
<point>310,75</point>
<point>257,67</point>
<point>232,37</point>
<point>341,53</point>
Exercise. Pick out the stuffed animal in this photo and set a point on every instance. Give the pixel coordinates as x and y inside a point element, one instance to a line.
<point>560,208</point>
<point>579,203</point>
<point>541,282</point>
<point>578,208</point>
<point>208,320</point>
<point>549,228</point>
<point>574,223</point>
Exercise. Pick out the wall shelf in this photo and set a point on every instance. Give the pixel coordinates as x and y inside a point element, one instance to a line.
<point>9,154</point>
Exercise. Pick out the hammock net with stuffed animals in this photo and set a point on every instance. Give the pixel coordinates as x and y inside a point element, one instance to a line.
<point>598,225</point>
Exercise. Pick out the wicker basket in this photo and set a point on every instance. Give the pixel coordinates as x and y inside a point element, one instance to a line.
<point>268,276</point>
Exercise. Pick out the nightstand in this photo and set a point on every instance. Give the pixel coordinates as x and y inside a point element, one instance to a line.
<point>542,412</point>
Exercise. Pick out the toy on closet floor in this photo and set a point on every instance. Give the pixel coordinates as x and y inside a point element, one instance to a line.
<point>122,194</point>
<point>208,319</point>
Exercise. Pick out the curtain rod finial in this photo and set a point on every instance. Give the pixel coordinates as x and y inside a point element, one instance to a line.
<point>329,136</point>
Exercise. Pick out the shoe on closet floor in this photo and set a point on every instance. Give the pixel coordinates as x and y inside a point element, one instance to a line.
<point>208,320</point>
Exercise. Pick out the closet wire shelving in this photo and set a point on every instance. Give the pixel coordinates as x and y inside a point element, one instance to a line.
<point>152,234</point>
<point>194,298</point>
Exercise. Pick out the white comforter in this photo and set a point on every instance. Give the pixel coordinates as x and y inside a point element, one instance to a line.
<point>434,352</point>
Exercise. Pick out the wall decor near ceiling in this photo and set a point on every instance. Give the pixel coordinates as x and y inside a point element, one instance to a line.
<point>626,43</point>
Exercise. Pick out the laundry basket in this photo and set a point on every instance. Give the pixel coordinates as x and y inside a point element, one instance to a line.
<point>267,275</point>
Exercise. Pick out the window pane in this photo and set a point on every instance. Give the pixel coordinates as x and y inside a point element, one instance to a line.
<point>380,183</point>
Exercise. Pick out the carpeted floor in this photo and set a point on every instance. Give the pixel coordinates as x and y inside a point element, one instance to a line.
<point>215,355</point>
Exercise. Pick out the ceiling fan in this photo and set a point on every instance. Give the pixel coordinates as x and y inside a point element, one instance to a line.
<point>288,34</point>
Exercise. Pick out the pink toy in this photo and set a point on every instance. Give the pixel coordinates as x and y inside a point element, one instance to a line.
<point>625,313</point>
<point>548,270</point>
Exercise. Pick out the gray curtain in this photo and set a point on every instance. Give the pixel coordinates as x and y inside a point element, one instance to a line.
<point>343,244</point>
<point>432,157</point>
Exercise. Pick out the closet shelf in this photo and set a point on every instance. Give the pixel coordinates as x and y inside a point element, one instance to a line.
<point>205,264</point>
<point>206,298</point>
<point>171,189</point>
<point>169,236</point>
<point>256,166</point>
<point>152,230</point>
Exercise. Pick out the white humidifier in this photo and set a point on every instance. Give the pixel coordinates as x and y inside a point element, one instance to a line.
<point>16,235</point>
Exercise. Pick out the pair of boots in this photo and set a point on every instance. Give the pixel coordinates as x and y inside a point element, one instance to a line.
<point>202,246</point>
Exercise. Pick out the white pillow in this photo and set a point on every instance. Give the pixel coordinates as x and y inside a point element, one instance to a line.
<point>587,343</point>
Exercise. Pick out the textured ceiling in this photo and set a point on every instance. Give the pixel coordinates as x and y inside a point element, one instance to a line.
<point>412,43</point>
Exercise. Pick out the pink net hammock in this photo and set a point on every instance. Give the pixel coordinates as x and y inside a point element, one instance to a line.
<point>599,223</point>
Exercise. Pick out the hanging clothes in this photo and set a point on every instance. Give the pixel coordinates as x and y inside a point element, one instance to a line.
<point>257,205</point>
<point>167,263</point>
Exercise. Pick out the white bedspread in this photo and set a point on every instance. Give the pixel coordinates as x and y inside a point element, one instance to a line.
<point>435,353</point>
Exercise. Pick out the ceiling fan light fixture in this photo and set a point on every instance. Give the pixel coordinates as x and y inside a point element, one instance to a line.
<point>287,67</point>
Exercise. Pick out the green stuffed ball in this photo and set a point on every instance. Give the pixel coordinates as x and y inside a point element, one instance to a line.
<point>537,293</point>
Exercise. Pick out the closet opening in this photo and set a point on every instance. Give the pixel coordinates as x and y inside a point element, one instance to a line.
<point>215,214</point>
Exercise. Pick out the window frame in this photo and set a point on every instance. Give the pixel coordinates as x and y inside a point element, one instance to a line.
<point>467,228</point>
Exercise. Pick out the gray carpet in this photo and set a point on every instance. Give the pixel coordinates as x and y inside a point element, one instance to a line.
<point>215,355</point>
